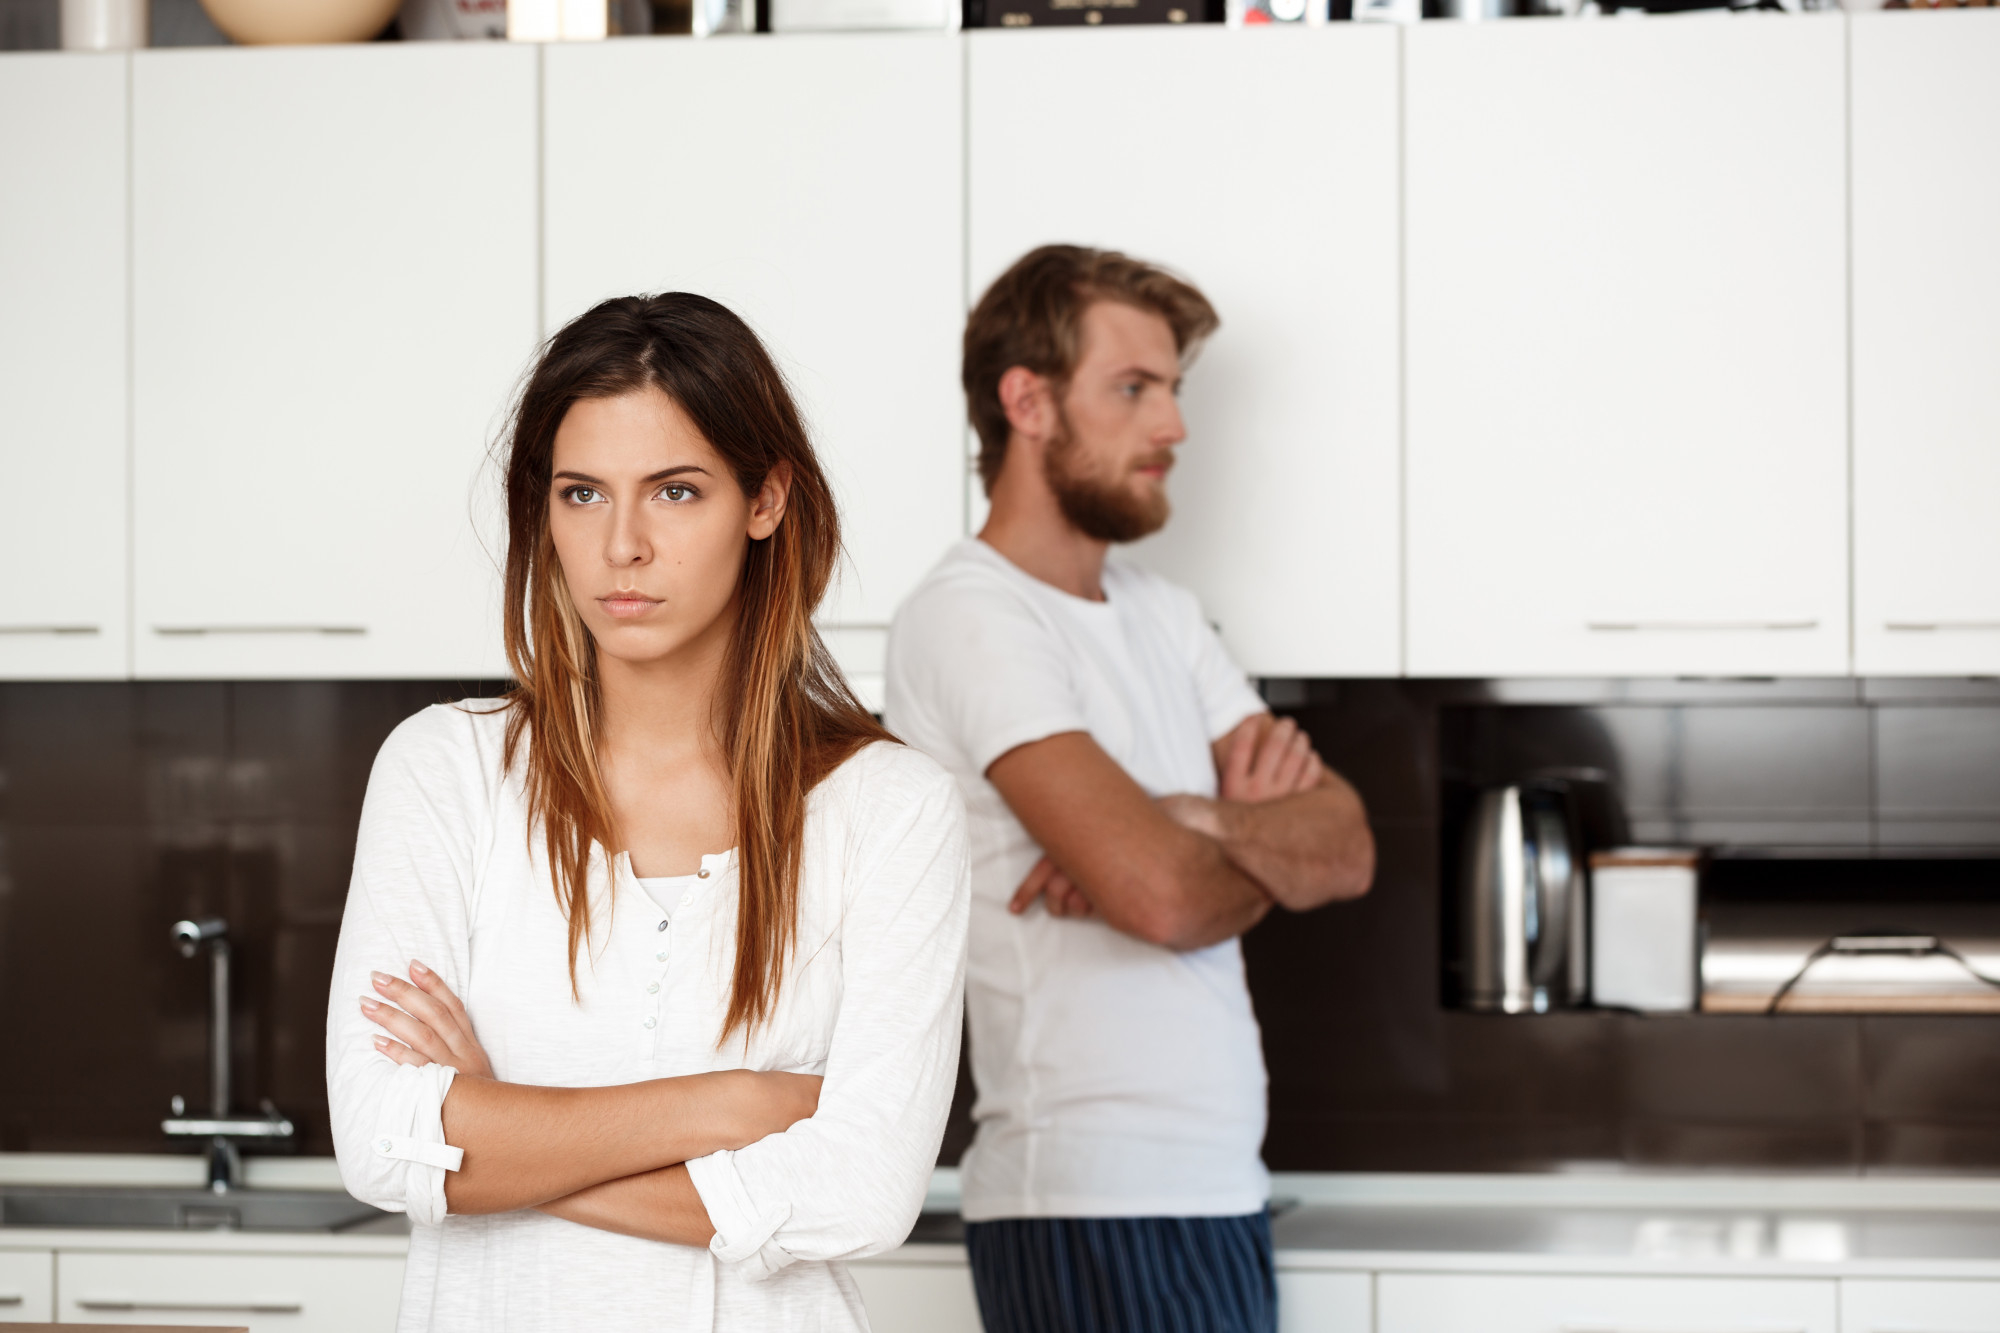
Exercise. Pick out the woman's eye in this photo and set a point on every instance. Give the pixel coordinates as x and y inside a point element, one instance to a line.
<point>581,495</point>
<point>677,493</point>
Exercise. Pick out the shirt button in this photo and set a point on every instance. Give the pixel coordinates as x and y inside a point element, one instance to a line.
<point>382,1145</point>
<point>686,898</point>
<point>661,926</point>
<point>701,873</point>
<point>661,955</point>
<point>653,989</point>
<point>651,1021</point>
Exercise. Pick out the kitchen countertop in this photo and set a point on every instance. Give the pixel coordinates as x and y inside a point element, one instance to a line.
<point>1731,1224</point>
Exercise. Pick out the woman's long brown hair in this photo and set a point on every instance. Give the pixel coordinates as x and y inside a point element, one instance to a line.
<point>787,716</point>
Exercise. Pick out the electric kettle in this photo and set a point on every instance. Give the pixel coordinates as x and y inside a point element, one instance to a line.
<point>1522,901</point>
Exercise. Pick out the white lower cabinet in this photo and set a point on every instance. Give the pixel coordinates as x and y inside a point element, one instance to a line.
<point>1919,1306</point>
<point>1505,1303</point>
<point>267,1293</point>
<point>917,1297</point>
<point>27,1286</point>
<point>1325,1302</point>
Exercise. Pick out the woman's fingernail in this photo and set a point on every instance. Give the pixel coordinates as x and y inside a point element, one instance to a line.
<point>381,1043</point>
<point>381,978</point>
<point>369,1006</point>
<point>416,966</point>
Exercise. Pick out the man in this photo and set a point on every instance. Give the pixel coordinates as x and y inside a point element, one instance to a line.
<point>1134,809</point>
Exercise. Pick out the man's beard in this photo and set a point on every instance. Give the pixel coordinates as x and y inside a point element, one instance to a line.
<point>1102,511</point>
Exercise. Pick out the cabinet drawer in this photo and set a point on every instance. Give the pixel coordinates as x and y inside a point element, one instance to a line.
<point>1464,1303</point>
<point>266,1293</point>
<point>27,1286</point>
<point>1880,1306</point>
<point>917,1297</point>
<point>1325,1302</point>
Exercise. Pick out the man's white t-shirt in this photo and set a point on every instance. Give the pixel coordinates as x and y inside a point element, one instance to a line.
<point>1116,1078</point>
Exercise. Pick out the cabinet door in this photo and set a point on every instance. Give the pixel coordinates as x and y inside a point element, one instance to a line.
<point>1457,1303</point>
<point>1879,1306</point>
<point>63,373</point>
<point>922,1297</point>
<point>27,1286</point>
<point>334,290</point>
<point>1627,443</point>
<point>1262,165</point>
<point>263,1292</point>
<point>813,186</point>
<point>1325,1302</point>
<point>1926,344</point>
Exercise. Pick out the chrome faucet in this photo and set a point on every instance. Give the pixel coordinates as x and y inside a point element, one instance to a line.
<point>220,1127</point>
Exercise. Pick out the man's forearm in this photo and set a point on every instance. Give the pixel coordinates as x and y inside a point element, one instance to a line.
<point>1304,850</point>
<point>1214,900</point>
<point>525,1145</point>
<point>657,1205</point>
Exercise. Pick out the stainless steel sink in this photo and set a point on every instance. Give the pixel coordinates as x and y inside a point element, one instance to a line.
<point>193,1209</point>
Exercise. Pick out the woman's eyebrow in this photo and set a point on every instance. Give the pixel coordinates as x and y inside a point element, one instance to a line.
<point>588,480</point>
<point>664,473</point>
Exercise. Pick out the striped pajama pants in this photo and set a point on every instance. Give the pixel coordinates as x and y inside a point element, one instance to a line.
<point>1125,1274</point>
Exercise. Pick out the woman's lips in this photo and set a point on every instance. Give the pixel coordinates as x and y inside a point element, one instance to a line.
<point>627,605</point>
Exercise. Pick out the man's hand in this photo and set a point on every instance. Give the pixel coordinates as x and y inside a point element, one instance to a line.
<point>1059,894</point>
<point>1265,759</point>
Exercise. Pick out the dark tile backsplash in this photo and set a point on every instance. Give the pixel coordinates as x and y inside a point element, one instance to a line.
<point>124,807</point>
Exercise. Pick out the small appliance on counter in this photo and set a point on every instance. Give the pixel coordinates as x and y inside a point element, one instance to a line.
<point>1522,901</point>
<point>1645,929</point>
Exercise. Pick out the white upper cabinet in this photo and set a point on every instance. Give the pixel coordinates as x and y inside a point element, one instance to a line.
<point>1926,95</point>
<point>1261,165</point>
<point>1627,430</point>
<point>62,367</point>
<point>812,184</point>
<point>334,292</point>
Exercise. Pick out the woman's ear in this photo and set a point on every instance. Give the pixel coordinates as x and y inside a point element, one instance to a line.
<point>767,507</point>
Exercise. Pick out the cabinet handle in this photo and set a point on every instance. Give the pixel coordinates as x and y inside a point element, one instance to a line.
<point>1939,626</point>
<point>1693,626</point>
<point>188,631</point>
<point>228,1307</point>
<point>50,629</point>
<point>9,1298</point>
<point>1623,1328</point>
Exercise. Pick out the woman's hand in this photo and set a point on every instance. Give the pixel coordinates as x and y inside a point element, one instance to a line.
<point>428,1024</point>
<point>766,1103</point>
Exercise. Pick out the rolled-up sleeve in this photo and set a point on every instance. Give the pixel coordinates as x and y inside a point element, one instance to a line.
<point>850,1181</point>
<point>410,899</point>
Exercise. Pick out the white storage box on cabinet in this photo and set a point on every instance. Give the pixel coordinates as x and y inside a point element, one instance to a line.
<point>1627,445</point>
<point>1262,165</point>
<point>1493,1303</point>
<point>62,367</point>
<point>1926,344</point>
<point>27,1286</point>
<point>812,185</point>
<point>1883,1306</point>
<point>334,291</point>
<point>267,1293</point>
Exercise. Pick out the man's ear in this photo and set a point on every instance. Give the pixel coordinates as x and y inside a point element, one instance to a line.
<point>767,507</point>
<point>1030,403</point>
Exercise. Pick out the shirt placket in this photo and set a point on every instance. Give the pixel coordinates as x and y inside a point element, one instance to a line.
<point>666,952</point>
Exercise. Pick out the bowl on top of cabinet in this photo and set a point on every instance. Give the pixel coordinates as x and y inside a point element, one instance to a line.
<point>300,22</point>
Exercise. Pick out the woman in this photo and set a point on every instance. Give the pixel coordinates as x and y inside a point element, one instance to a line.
<point>610,933</point>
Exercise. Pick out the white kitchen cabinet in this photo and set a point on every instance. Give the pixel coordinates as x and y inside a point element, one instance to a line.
<point>267,1293</point>
<point>918,1293</point>
<point>1918,1306</point>
<point>1310,1302</point>
<point>62,366</point>
<point>1627,429</point>
<point>1262,165</point>
<point>812,185</point>
<point>333,293</point>
<point>27,1286</point>
<point>1507,1303</point>
<point>1926,344</point>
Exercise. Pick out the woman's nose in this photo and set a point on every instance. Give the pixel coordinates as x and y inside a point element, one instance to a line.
<point>626,543</point>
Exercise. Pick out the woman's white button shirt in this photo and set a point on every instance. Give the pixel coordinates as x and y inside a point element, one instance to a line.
<point>447,872</point>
